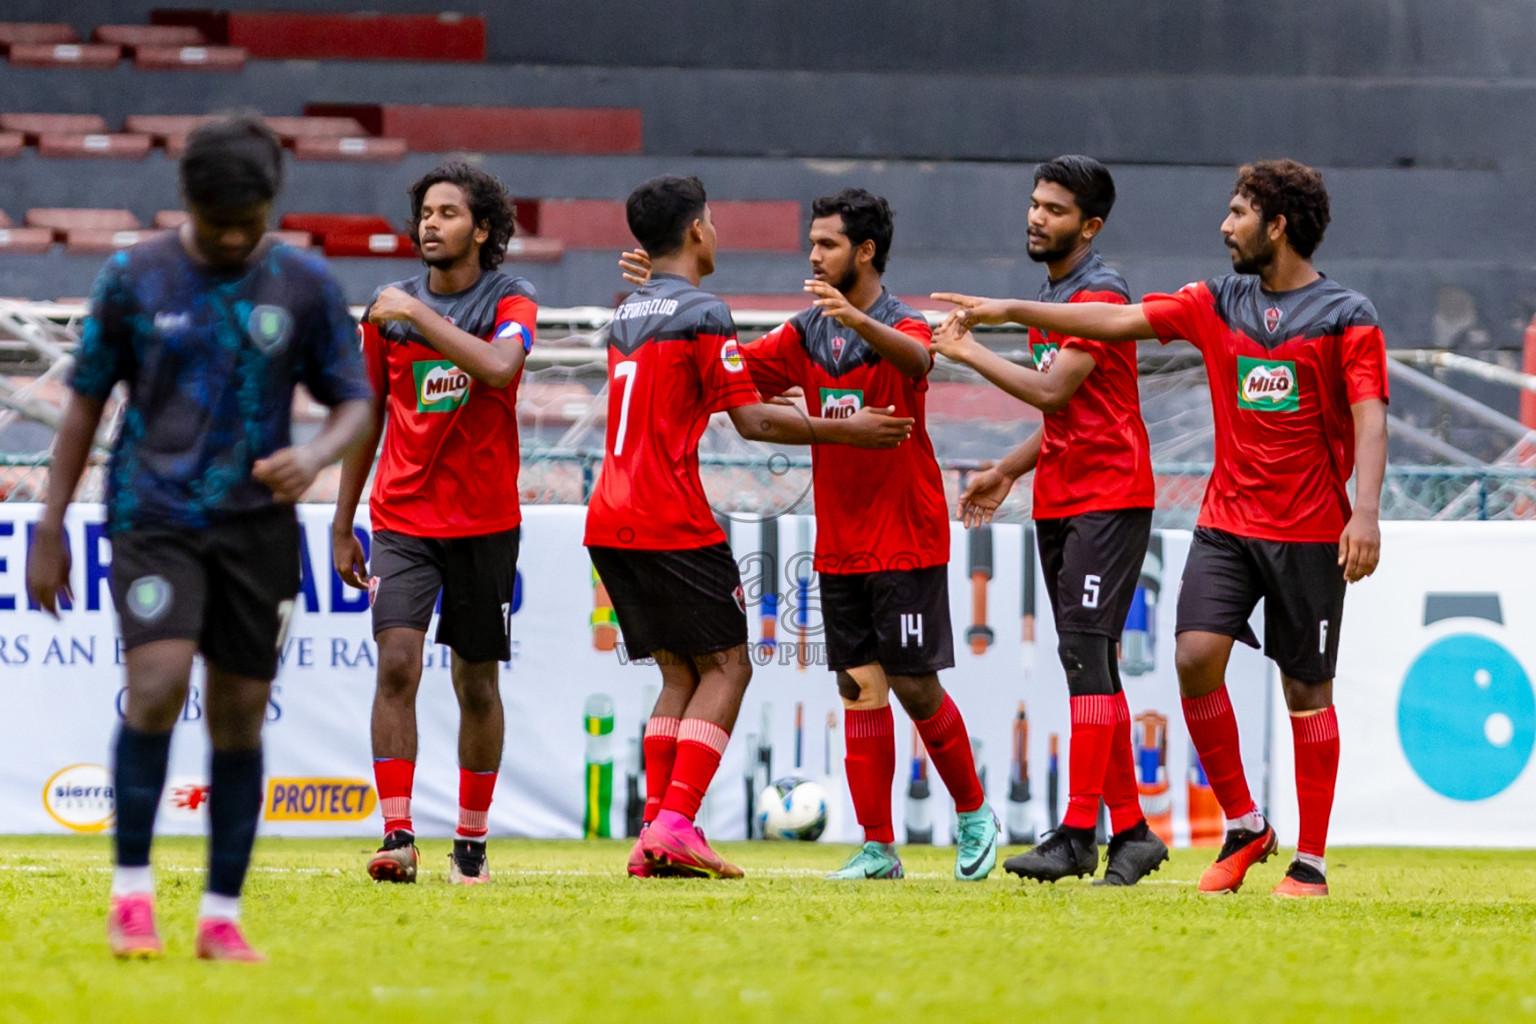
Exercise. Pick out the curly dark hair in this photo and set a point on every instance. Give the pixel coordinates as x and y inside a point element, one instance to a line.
<point>1285,188</point>
<point>489,203</point>
<point>866,217</point>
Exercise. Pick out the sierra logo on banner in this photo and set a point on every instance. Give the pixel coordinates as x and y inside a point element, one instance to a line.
<point>81,798</point>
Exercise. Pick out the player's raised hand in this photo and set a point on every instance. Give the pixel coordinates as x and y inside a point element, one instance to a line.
<point>392,304</point>
<point>974,309</point>
<point>952,341</point>
<point>1360,547</point>
<point>985,490</point>
<point>288,472</point>
<point>833,303</point>
<point>878,428</point>
<point>347,556</point>
<point>635,265</point>
<point>48,570</point>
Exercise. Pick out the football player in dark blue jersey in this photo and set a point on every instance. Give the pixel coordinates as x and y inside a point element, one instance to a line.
<point>211,327</point>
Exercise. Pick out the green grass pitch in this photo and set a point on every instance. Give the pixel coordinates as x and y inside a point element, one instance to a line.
<point>563,935</point>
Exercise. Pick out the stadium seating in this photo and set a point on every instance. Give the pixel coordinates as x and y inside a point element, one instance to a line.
<point>99,241</point>
<point>339,36</point>
<point>58,55</point>
<point>362,148</point>
<point>324,224</point>
<point>189,58</point>
<point>11,143</point>
<point>23,240</point>
<point>130,37</point>
<point>33,125</point>
<point>100,146</point>
<point>35,33</point>
<point>437,129</point>
<point>772,226</point>
<point>60,220</point>
<point>171,219</point>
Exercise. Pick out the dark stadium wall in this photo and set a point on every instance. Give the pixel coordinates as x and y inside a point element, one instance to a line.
<point>1345,38</point>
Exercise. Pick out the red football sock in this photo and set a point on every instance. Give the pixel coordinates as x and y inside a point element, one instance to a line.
<point>660,752</point>
<point>475,791</point>
<point>699,745</point>
<point>949,747</point>
<point>1213,730</point>
<point>871,764</point>
<point>1093,729</point>
<point>392,777</point>
<point>1316,739</point>
<point>1120,791</point>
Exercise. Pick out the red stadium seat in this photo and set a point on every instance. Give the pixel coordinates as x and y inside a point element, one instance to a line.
<point>434,129</point>
<point>62,219</point>
<point>189,58</point>
<point>535,250</point>
<point>34,33</point>
<point>297,239</point>
<point>380,244</point>
<point>324,224</point>
<point>33,125</point>
<point>5,220</point>
<point>92,241</point>
<point>105,147</point>
<point>356,148</point>
<point>165,219</point>
<point>292,128</point>
<point>169,220</point>
<point>11,143</point>
<point>25,240</point>
<point>601,224</point>
<point>359,36</point>
<point>787,303</point>
<point>131,36</point>
<point>161,126</point>
<point>65,55</point>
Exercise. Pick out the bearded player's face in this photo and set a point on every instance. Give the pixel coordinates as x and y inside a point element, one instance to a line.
<point>445,230</point>
<point>832,254</point>
<point>1247,234</point>
<point>1055,223</point>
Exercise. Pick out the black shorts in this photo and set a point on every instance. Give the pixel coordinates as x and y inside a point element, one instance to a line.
<point>475,575</point>
<point>229,587</point>
<point>686,602</point>
<point>1303,590</point>
<point>898,617</point>
<point>1091,564</point>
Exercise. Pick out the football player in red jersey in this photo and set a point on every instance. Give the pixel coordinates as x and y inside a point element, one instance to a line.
<point>673,361</point>
<point>1298,380</point>
<point>882,537</point>
<point>445,350</point>
<point>1093,515</point>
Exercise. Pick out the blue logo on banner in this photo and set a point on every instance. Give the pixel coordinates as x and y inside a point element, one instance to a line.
<point>1467,717</point>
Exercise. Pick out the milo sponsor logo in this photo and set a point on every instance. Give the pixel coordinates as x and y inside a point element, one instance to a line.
<point>440,386</point>
<point>1045,355</point>
<point>1267,385</point>
<point>840,404</point>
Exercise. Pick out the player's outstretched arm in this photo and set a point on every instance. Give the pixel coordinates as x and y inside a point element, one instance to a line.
<point>289,471</point>
<point>910,356</point>
<point>346,549</point>
<point>786,424</point>
<point>1048,392</point>
<point>1102,321</point>
<point>48,555</point>
<point>989,486</point>
<point>1360,543</point>
<point>495,363</point>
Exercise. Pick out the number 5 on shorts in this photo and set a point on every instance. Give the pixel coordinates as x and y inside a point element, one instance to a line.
<point>1091,591</point>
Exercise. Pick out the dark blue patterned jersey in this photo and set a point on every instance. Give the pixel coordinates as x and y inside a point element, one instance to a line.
<point>211,361</point>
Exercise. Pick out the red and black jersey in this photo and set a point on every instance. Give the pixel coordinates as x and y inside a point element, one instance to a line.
<point>1094,456</point>
<point>450,460</point>
<point>673,361</point>
<point>875,509</point>
<point>1284,369</point>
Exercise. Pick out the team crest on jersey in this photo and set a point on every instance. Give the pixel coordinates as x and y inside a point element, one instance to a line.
<point>1045,355</point>
<point>269,327</point>
<point>840,403</point>
<point>1272,319</point>
<point>730,357</point>
<point>1267,385</point>
<point>440,386</point>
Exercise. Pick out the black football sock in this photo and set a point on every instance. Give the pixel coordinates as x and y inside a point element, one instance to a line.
<point>138,777</point>
<point>234,805</point>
